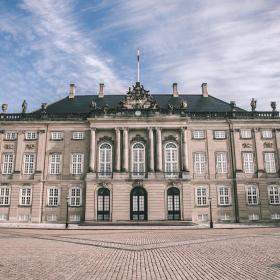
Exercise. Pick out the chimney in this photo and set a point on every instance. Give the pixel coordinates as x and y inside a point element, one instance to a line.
<point>101,91</point>
<point>175,90</point>
<point>204,90</point>
<point>72,90</point>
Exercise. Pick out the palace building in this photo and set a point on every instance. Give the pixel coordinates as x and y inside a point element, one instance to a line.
<point>139,157</point>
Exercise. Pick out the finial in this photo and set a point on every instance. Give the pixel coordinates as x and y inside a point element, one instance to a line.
<point>4,108</point>
<point>24,107</point>
<point>253,104</point>
<point>273,106</point>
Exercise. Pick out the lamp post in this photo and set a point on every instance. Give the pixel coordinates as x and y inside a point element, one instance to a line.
<point>210,206</point>
<point>67,206</point>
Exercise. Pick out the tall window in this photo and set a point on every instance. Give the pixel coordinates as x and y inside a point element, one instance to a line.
<point>221,162</point>
<point>25,196</point>
<point>103,204</point>
<point>252,195</point>
<point>138,160</point>
<point>105,160</point>
<point>53,196</point>
<point>55,163</point>
<point>274,194</point>
<point>171,160</point>
<point>269,160</point>
<point>29,163</point>
<point>200,163</point>
<point>201,196</point>
<point>248,162</point>
<point>77,163</point>
<point>75,194</point>
<point>4,195</point>
<point>224,196</point>
<point>8,163</point>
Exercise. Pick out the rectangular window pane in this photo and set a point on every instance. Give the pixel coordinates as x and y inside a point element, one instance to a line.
<point>221,162</point>
<point>29,163</point>
<point>201,196</point>
<point>246,133</point>
<point>200,163</point>
<point>8,164</point>
<point>219,134</point>
<point>248,162</point>
<point>269,159</point>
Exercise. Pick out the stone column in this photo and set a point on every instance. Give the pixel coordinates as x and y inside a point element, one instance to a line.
<point>159,150</point>
<point>185,161</point>
<point>125,149</point>
<point>118,150</point>
<point>92,166</point>
<point>41,151</point>
<point>151,150</point>
<point>19,152</point>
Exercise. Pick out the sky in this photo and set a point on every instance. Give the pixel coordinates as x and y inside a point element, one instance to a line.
<point>45,45</point>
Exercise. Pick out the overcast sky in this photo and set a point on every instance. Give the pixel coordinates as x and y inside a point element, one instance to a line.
<point>234,46</point>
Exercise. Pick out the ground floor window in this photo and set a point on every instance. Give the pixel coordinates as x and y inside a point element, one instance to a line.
<point>138,204</point>
<point>103,204</point>
<point>173,204</point>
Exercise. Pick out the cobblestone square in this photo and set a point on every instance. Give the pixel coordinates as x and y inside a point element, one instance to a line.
<point>140,254</point>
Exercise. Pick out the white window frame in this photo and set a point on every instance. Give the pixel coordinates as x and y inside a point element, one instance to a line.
<point>220,134</point>
<point>56,135</point>
<point>224,195</point>
<point>5,193</point>
<point>221,163</point>
<point>28,164</point>
<point>25,196</point>
<point>105,160</point>
<point>8,163</point>
<point>266,133</point>
<point>269,162</point>
<point>31,135</point>
<point>138,160</point>
<point>53,196</point>
<point>275,216</point>
<point>248,162</point>
<point>10,135</point>
<point>253,217</point>
<point>199,163</point>
<point>252,197</point>
<point>171,160</point>
<point>75,218</point>
<point>201,196</point>
<point>75,195</point>
<point>77,163</point>
<point>245,133</point>
<point>199,134</point>
<point>78,135</point>
<point>274,194</point>
<point>55,160</point>
<point>51,218</point>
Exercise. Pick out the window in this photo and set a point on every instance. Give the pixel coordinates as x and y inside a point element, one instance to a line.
<point>219,134</point>
<point>248,162</point>
<point>75,218</point>
<point>274,194</point>
<point>225,217</point>
<point>202,217</point>
<point>275,216</point>
<point>31,135</point>
<point>252,195</point>
<point>25,196</point>
<point>29,164</point>
<point>267,134</point>
<point>78,135</point>
<point>3,217</point>
<point>198,134</point>
<point>201,196</point>
<point>138,160</point>
<point>56,135</point>
<point>8,164</point>
<point>51,218</point>
<point>10,135</point>
<point>254,217</point>
<point>224,195</point>
<point>55,163</point>
<point>200,163</point>
<point>171,160</point>
<point>221,162</point>
<point>77,163</point>
<point>269,160</point>
<point>246,133</point>
<point>4,195</point>
<point>75,196</point>
<point>23,218</point>
<point>105,160</point>
<point>53,196</point>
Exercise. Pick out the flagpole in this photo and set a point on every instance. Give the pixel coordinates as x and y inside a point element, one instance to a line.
<point>138,65</point>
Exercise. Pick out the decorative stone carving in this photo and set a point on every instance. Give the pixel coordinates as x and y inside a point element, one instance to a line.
<point>253,104</point>
<point>171,138</point>
<point>105,139</point>
<point>4,108</point>
<point>273,106</point>
<point>30,146</point>
<point>184,104</point>
<point>137,183</point>
<point>232,105</point>
<point>246,145</point>
<point>138,138</point>
<point>24,107</point>
<point>268,145</point>
<point>9,146</point>
<point>138,98</point>
<point>44,107</point>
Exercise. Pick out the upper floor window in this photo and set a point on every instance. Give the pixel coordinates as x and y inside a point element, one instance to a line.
<point>221,162</point>
<point>274,194</point>
<point>248,162</point>
<point>198,134</point>
<point>219,134</point>
<point>29,163</point>
<point>7,163</point>
<point>53,196</point>
<point>201,196</point>
<point>246,133</point>
<point>171,160</point>
<point>199,163</point>
<point>75,194</point>
<point>4,195</point>
<point>267,134</point>
<point>77,163</point>
<point>10,135</point>
<point>78,135</point>
<point>25,196</point>
<point>56,135</point>
<point>138,160</point>
<point>55,163</point>
<point>269,160</point>
<point>31,135</point>
<point>224,195</point>
<point>105,160</point>
<point>252,195</point>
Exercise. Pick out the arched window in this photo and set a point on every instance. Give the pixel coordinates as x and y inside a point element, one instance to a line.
<point>173,204</point>
<point>171,160</point>
<point>75,195</point>
<point>138,160</point>
<point>138,204</point>
<point>103,204</point>
<point>105,160</point>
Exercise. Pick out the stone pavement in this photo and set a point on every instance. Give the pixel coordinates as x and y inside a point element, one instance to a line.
<point>252,253</point>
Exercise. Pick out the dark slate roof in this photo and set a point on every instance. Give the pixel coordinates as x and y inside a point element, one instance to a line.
<point>195,103</point>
